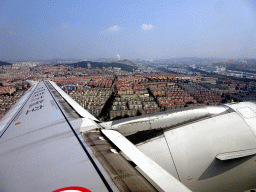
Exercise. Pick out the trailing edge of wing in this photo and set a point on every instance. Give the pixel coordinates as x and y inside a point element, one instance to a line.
<point>160,178</point>
<point>236,154</point>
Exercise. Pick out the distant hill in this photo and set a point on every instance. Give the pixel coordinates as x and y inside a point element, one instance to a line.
<point>4,63</point>
<point>124,67</point>
<point>126,62</point>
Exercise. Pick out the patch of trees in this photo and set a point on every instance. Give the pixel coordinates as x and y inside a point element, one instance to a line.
<point>4,63</point>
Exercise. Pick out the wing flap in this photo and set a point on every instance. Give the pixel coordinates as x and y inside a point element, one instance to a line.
<point>235,154</point>
<point>124,175</point>
<point>160,178</point>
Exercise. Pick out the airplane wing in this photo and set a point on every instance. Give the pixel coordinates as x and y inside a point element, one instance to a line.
<point>43,149</point>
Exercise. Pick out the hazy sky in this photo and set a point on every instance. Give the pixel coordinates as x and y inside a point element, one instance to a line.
<point>145,29</point>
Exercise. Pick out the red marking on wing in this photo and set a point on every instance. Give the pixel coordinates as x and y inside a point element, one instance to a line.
<point>81,189</point>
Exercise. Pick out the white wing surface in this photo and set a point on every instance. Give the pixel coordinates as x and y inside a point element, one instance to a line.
<point>42,149</point>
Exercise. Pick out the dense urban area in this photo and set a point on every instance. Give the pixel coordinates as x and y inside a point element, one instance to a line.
<point>113,90</point>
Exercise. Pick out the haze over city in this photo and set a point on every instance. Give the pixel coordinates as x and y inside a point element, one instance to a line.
<point>31,30</point>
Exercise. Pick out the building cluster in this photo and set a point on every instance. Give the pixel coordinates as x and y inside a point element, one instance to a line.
<point>172,97</point>
<point>111,93</point>
<point>205,80</point>
<point>10,93</point>
<point>131,105</point>
<point>232,90</point>
<point>92,99</point>
<point>91,92</point>
<point>7,90</point>
<point>53,71</point>
<point>100,82</point>
<point>7,101</point>
<point>103,81</point>
<point>202,94</point>
<point>132,98</point>
<point>9,74</point>
<point>24,64</point>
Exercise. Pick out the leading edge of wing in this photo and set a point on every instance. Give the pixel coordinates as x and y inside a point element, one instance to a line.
<point>78,108</point>
<point>7,119</point>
